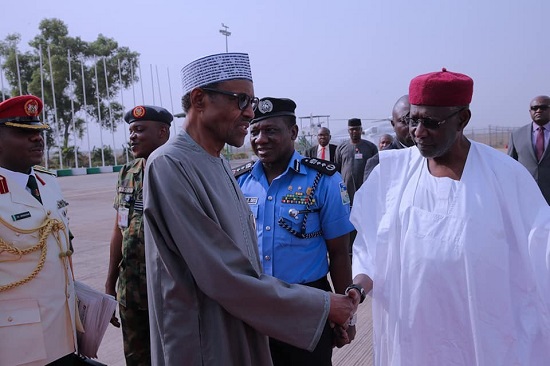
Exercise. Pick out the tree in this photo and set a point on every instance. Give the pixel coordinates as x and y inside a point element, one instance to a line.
<point>54,35</point>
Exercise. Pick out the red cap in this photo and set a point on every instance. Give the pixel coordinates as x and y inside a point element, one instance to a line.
<point>22,112</point>
<point>441,89</point>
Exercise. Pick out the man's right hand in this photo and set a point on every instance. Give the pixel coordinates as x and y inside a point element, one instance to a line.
<point>110,290</point>
<point>342,309</point>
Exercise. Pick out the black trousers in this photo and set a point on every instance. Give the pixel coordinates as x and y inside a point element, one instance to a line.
<point>284,354</point>
<point>64,361</point>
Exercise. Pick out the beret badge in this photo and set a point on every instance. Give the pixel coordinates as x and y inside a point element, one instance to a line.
<point>265,106</point>
<point>138,112</point>
<point>31,108</point>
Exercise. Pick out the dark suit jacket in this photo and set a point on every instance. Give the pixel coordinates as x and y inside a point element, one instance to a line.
<point>312,151</point>
<point>521,148</point>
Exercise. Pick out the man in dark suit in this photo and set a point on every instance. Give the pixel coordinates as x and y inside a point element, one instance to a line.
<point>529,144</point>
<point>402,136</point>
<point>325,150</point>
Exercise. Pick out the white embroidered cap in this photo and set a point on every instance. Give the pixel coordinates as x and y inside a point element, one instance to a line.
<point>215,68</point>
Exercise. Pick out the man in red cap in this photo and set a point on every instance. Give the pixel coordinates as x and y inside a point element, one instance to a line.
<point>451,245</point>
<point>37,297</point>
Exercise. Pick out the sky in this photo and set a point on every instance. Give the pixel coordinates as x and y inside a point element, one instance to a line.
<point>342,58</point>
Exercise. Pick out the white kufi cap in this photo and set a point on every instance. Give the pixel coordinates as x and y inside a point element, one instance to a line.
<point>215,68</point>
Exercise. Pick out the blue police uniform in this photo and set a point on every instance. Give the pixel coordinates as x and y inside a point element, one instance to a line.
<point>294,217</point>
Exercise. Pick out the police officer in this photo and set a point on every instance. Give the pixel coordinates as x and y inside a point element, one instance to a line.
<point>302,212</point>
<point>149,129</point>
<point>37,298</point>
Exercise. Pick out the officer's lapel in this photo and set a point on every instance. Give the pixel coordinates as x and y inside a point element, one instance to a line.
<point>19,195</point>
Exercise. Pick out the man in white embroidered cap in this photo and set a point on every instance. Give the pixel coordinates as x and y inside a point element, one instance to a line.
<point>209,303</point>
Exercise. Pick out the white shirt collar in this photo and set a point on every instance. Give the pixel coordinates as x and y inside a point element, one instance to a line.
<point>19,178</point>
<point>546,126</point>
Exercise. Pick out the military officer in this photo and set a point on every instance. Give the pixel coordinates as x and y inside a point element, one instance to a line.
<point>37,297</point>
<point>302,211</point>
<point>149,128</point>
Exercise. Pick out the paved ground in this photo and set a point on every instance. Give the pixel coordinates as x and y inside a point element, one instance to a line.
<point>90,200</point>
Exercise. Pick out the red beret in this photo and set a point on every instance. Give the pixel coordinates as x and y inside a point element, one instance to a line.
<point>22,112</point>
<point>441,89</point>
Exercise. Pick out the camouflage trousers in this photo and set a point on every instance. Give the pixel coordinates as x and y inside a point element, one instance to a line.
<point>135,335</point>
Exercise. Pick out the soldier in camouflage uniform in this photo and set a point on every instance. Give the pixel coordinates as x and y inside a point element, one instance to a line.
<point>149,129</point>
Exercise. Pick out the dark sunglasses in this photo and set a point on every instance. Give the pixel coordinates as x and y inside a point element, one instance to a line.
<point>244,100</point>
<point>403,119</point>
<point>429,123</point>
<point>542,107</point>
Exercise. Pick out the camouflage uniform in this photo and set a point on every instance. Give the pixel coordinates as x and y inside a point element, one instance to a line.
<point>132,284</point>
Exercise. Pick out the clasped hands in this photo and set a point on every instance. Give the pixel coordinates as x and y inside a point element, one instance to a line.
<point>342,310</point>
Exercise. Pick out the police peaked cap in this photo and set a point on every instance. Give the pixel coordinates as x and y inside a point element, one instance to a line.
<point>273,107</point>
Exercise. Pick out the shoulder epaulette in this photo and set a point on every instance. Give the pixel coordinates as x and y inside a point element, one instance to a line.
<point>42,169</point>
<point>242,169</point>
<point>323,166</point>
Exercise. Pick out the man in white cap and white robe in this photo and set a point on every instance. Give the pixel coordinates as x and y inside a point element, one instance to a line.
<point>209,303</point>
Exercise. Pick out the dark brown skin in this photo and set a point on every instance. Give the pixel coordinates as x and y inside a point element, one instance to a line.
<point>540,117</point>
<point>446,148</point>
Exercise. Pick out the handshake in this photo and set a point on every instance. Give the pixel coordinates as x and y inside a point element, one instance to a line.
<point>342,314</point>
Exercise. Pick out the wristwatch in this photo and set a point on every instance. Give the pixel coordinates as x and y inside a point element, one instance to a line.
<point>359,289</point>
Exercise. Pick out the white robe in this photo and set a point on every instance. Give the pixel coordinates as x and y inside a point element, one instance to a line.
<point>456,281</point>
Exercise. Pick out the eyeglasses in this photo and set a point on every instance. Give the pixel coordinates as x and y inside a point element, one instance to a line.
<point>404,119</point>
<point>429,123</point>
<point>243,99</point>
<point>542,107</point>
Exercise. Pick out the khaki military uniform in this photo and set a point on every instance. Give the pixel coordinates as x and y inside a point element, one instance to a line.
<point>132,283</point>
<point>37,298</point>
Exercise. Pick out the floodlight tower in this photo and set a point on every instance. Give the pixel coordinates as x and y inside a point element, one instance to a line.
<point>226,33</point>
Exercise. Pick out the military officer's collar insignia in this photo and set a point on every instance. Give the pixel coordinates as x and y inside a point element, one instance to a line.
<point>323,166</point>
<point>297,166</point>
<point>265,106</point>
<point>3,185</point>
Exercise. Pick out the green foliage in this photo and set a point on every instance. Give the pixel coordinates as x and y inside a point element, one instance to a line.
<point>107,155</point>
<point>102,54</point>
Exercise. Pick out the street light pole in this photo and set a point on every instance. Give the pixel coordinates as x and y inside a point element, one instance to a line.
<point>226,33</point>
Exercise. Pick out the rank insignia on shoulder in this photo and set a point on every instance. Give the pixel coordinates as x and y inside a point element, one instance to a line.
<point>42,169</point>
<point>3,185</point>
<point>323,166</point>
<point>243,169</point>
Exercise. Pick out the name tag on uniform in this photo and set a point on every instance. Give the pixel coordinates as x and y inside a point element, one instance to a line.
<point>123,213</point>
<point>125,189</point>
<point>252,200</point>
<point>358,156</point>
<point>21,216</point>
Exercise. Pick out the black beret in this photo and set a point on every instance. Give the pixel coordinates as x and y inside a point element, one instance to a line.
<point>354,122</point>
<point>273,107</point>
<point>148,113</point>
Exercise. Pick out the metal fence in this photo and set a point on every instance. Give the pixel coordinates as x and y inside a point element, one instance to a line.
<point>495,136</point>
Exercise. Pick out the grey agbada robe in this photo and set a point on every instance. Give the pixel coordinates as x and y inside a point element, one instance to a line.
<point>209,303</point>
